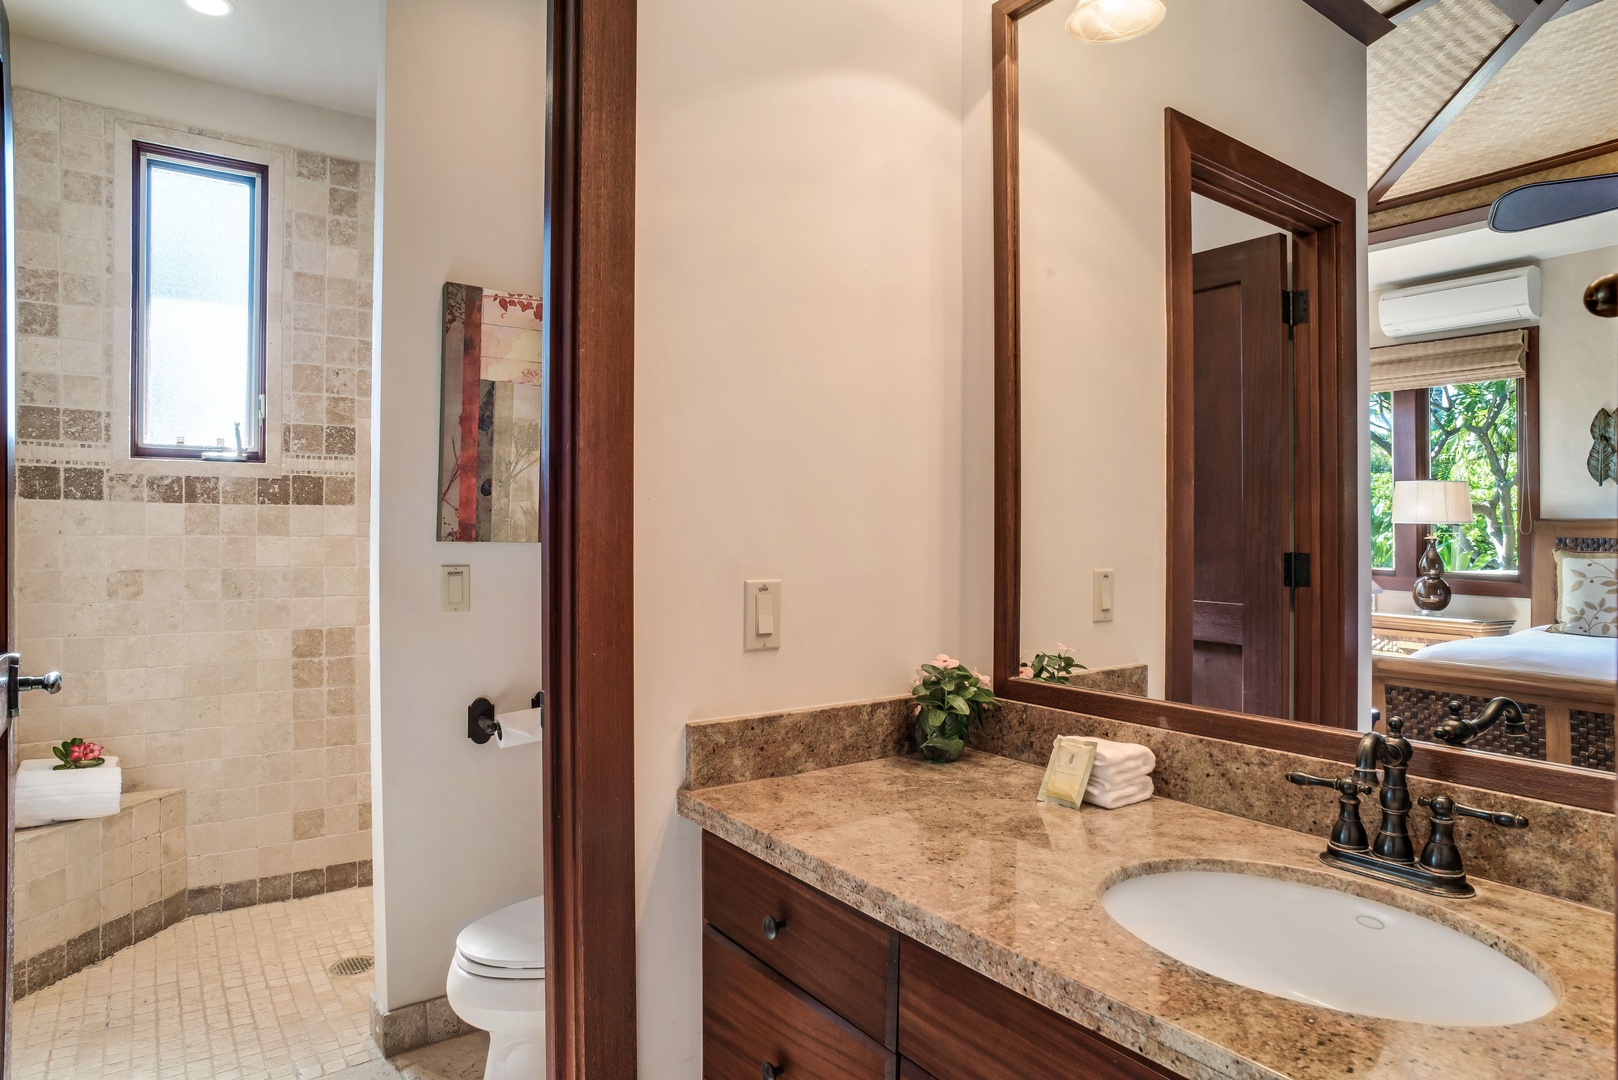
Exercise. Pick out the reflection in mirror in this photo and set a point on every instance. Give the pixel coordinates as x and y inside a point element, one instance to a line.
<point>1493,540</point>
<point>1241,483</point>
<point>1137,549</point>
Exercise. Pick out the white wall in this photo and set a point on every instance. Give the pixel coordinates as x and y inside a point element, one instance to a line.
<point>1578,374</point>
<point>63,71</point>
<point>1272,73</point>
<point>460,176</point>
<point>799,396</point>
<point>1215,225</point>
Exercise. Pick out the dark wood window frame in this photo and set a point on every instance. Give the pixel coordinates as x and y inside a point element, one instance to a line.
<point>255,441</point>
<point>1410,462</point>
<point>1534,779</point>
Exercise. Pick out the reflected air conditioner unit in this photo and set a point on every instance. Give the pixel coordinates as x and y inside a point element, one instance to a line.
<point>1461,303</point>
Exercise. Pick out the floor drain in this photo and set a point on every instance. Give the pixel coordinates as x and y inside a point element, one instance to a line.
<point>352,965</point>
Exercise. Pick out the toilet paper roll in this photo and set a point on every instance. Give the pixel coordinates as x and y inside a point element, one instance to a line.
<point>517,728</point>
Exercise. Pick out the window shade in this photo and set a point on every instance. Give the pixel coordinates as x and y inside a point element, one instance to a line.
<point>1479,358</point>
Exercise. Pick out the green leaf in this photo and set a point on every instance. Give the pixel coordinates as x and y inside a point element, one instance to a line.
<point>957,703</point>
<point>61,755</point>
<point>59,768</point>
<point>93,762</point>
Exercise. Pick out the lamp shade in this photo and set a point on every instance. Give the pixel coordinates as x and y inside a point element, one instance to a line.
<point>1114,20</point>
<point>1431,502</point>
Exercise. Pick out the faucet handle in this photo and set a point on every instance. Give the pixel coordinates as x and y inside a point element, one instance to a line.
<point>1345,785</point>
<point>1445,807</point>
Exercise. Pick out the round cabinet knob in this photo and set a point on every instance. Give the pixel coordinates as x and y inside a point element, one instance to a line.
<point>772,930</point>
<point>771,1072</point>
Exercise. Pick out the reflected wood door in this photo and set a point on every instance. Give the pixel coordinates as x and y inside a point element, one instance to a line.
<point>1241,487</point>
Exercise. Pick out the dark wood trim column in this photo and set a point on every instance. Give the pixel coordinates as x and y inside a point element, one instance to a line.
<point>588,542</point>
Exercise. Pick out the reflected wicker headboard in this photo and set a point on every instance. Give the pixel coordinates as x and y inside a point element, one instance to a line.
<point>1553,536</point>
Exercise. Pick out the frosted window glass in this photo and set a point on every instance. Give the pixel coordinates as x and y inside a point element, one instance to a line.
<point>199,332</point>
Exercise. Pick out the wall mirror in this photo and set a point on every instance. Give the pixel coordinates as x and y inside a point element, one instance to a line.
<point>1260,471</point>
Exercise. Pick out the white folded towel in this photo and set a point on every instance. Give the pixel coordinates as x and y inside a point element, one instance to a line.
<point>1122,774</point>
<point>1121,757</point>
<point>44,795</point>
<point>1111,797</point>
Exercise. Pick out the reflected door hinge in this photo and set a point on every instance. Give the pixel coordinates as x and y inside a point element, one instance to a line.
<point>1294,306</point>
<point>1295,569</point>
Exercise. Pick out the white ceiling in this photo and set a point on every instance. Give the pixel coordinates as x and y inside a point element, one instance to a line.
<point>1471,247</point>
<point>322,52</point>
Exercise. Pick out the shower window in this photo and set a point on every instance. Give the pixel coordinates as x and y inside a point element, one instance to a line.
<point>197,384</point>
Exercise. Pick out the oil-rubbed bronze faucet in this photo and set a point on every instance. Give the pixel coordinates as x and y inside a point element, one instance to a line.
<point>1391,856</point>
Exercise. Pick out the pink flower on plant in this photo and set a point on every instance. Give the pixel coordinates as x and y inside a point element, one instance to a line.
<point>85,751</point>
<point>945,662</point>
<point>1025,672</point>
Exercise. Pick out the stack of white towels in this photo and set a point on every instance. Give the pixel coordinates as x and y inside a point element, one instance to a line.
<point>1122,774</point>
<point>45,795</point>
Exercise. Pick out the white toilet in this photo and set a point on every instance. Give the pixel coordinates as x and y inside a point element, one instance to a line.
<point>497,983</point>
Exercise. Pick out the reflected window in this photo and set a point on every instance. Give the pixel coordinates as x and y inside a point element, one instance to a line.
<point>1472,430</point>
<point>1382,537</point>
<point>197,384</point>
<point>1472,436</point>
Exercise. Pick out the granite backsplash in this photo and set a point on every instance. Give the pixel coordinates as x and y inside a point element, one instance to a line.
<point>1567,852</point>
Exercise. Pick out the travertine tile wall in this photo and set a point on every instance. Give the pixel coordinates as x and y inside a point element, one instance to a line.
<point>209,620</point>
<point>86,889</point>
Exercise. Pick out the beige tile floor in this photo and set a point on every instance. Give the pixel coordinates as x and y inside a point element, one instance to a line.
<point>239,995</point>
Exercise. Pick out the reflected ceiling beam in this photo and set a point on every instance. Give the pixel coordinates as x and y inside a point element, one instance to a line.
<point>1403,13</point>
<point>1543,13</point>
<point>1516,10</point>
<point>1575,5</point>
<point>1355,17</point>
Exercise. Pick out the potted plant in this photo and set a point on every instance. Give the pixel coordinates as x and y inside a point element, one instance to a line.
<point>1056,667</point>
<point>950,697</point>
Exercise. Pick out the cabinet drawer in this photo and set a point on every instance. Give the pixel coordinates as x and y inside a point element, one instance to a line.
<point>752,1016</point>
<point>1008,1036</point>
<point>841,958</point>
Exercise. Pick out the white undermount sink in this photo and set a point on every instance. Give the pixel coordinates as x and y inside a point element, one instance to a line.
<point>1327,948</point>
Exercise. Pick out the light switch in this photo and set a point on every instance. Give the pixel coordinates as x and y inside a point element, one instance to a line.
<point>1102,594</point>
<point>761,615</point>
<point>456,591</point>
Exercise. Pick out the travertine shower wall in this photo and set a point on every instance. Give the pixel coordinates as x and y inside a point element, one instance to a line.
<point>209,620</point>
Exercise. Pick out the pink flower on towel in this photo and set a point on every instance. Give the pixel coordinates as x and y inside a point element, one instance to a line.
<point>77,754</point>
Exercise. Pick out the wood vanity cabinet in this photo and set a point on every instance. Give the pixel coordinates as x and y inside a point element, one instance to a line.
<point>822,992</point>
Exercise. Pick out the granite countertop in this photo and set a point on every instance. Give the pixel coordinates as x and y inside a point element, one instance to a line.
<point>963,859</point>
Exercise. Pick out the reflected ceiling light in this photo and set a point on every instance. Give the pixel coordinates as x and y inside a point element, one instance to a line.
<point>1114,20</point>
<point>210,7</point>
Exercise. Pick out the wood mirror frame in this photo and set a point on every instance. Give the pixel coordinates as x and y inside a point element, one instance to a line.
<point>1200,159</point>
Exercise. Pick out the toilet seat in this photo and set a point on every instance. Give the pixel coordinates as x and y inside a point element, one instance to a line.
<point>491,971</point>
<point>505,944</point>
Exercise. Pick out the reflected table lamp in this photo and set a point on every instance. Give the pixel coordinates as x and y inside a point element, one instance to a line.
<point>1431,502</point>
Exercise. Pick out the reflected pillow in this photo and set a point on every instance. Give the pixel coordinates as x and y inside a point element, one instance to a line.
<point>1586,594</point>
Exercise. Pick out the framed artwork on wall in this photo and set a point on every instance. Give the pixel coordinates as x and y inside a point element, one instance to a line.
<point>489,441</point>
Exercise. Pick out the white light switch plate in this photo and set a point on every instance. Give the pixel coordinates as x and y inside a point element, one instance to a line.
<point>455,588</point>
<point>1102,596</point>
<point>761,615</point>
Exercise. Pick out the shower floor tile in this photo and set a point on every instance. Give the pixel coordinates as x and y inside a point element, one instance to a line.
<point>238,995</point>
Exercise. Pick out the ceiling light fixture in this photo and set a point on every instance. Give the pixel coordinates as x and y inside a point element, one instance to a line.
<point>210,7</point>
<point>1106,21</point>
